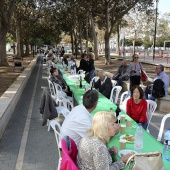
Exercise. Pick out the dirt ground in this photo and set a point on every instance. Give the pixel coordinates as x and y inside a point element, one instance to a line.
<point>8,76</point>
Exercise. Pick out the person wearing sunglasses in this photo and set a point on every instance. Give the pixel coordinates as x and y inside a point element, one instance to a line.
<point>134,71</point>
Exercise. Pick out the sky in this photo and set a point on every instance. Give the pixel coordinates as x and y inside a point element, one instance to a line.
<point>164,6</point>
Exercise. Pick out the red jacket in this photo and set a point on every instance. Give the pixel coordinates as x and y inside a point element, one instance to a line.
<point>137,111</point>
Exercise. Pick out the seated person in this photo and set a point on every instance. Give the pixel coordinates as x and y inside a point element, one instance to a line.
<point>56,78</point>
<point>160,75</point>
<point>136,106</point>
<point>119,74</point>
<point>72,63</point>
<point>64,60</point>
<point>49,62</point>
<point>93,152</point>
<point>79,119</point>
<point>104,84</point>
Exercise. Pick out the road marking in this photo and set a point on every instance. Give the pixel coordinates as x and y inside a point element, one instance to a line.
<point>20,159</point>
<point>154,126</point>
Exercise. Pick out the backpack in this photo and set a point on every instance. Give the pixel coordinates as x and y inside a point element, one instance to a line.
<point>158,89</point>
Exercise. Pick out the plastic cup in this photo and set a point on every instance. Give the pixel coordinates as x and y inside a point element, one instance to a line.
<point>122,128</point>
<point>86,87</point>
<point>129,123</point>
<point>122,144</point>
<point>122,118</point>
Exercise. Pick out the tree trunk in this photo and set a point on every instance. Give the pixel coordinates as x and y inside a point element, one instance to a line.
<point>18,38</point>
<point>3,59</point>
<point>118,38</point>
<point>72,42</point>
<point>75,43</point>
<point>107,37</point>
<point>14,48</point>
<point>95,39</point>
<point>107,50</point>
<point>87,34</point>
<point>5,16</point>
<point>81,46</point>
<point>27,47</point>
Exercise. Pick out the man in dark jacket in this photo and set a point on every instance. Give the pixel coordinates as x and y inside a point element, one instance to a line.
<point>118,75</point>
<point>104,84</point>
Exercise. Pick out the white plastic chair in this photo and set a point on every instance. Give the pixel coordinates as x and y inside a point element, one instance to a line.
<point>151,107</point>
<point>162,126</point>
<point>114,82</point>
<point>123,97</point>
<point>53,124</point>
<point>52,89</point>
<point>94,79</point>
<point>115,90</point>
<point>63,111</point>
<point>66,103</point>
<point>65,106</point>
<point>59,93</point>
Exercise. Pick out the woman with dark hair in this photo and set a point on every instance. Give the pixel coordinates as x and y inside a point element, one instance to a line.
<point>136,106</point>
<point>58,79</point>
<point>84,65</point>
<point>134,70</point>
<point>91,65</point>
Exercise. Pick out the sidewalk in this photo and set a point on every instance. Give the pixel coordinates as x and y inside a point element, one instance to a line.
<point>26,144</point>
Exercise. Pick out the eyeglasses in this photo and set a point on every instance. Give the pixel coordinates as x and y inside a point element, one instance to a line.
<point>157,68</point>
<point>136,57</point>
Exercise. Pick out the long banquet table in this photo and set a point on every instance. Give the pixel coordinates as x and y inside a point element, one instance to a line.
<point>150,143</point>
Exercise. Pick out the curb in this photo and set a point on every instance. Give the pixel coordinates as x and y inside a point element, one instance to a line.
<point>9,99</point>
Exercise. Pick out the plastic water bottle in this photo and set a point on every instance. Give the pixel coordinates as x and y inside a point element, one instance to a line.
<point>166,147</point>
<point>139,134</point>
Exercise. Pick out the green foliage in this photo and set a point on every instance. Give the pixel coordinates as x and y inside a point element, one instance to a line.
<point>147,42</point>
<point>9,39</point>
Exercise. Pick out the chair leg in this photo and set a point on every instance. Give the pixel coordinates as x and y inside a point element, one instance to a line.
<point>49,125</point>
<point>59,164</point>
<point>47,122</point>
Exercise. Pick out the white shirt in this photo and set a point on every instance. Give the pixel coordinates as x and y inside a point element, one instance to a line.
<point>76,123</point>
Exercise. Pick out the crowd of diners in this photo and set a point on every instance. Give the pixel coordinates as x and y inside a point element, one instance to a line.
<point>91,134</point>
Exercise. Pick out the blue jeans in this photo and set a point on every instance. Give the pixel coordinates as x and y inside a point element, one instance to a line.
<point>145,125</point>
<point>91,74</point>
<point>119,80</point>
<point>149,91</point>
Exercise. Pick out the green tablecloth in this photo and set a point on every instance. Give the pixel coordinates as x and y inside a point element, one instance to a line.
<point>150,143</point>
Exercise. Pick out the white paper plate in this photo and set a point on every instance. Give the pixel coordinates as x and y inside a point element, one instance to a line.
<point>125,152</point>
<point>73,77</point>
<point>122,137</point>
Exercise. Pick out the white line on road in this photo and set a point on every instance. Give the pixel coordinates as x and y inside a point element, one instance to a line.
<point>21,153</point>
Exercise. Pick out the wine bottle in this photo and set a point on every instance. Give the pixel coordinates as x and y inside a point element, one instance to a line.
<point>80,85</point>
<point>92,85</point>
<point>117,114</point>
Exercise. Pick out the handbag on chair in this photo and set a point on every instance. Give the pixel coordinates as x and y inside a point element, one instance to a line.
<point>143,75</point>
<point>145,161</point>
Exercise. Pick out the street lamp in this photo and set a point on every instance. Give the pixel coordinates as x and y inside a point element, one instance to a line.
<point>154,40</point>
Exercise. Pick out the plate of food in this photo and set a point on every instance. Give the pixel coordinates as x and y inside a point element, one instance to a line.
<point>128,138</point>
<point>125,152</point>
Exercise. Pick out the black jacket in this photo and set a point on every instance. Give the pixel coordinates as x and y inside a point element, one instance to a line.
<point>104,88</point>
